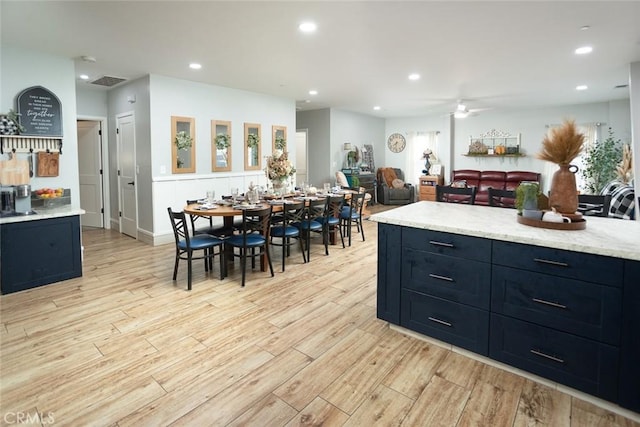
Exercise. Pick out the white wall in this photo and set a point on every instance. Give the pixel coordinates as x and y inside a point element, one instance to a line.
<point>530,123</point>
<point>21,69</point>
<point>173,97</point>
<point>91,102</point>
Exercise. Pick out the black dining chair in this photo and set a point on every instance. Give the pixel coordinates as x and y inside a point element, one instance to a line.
<point>594,205</point>
<point>351,215</point>
<point>282,228</point>
<point>254,234</point>
<point>502,198</point>
<point>314,209</point>
<point>465,195</point>
<point>186,245</point>
<point>331,220</point>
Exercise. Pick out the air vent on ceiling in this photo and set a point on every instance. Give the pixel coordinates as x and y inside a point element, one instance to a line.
<point>620,86</point>
<point>108,81</point>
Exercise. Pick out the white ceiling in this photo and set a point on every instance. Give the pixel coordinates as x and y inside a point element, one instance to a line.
<point>491,54</point>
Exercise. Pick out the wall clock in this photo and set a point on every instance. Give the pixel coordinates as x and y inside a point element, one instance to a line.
<point>396,142</point>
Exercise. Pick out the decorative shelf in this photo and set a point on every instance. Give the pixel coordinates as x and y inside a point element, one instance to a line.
<point>28,144</point>
<point>495,155</point>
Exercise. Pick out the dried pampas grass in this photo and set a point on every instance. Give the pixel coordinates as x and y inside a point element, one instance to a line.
<point>625,170</point>
<point>562,144</point>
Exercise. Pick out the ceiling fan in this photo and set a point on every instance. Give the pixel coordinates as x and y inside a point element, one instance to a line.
<point>462,111</point>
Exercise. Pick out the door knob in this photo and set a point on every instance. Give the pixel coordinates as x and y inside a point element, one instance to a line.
<point>131,183</point>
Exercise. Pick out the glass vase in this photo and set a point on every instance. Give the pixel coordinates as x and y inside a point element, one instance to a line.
<point>279,187</point>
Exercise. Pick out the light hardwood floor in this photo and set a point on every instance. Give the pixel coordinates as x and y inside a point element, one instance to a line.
<point>124,345</point>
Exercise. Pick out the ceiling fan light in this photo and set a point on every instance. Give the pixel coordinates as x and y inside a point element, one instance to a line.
<point>460,114</point>
<point>462,107</point>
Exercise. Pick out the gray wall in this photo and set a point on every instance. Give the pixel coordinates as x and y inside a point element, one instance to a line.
<point>318,124</point>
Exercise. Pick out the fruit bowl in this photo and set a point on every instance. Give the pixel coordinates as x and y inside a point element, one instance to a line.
<point>49,193</point>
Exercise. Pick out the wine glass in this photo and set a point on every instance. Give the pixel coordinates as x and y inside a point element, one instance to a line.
<point>211,197</point>
<point>234,194</point>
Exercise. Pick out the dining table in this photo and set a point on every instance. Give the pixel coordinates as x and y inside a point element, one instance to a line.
<point>229,210</point>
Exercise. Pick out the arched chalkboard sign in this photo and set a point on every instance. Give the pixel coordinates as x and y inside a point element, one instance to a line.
<point>40,112</point>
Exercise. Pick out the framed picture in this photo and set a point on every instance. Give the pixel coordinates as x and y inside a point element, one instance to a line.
<point>435,170</point>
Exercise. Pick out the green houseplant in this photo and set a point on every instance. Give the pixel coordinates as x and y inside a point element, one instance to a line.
<point>252,140</point>
<point>280,143</point>
<point>183,140</point>
<point>600,163</point>
<point>527,195</point>
<point>223,140</point>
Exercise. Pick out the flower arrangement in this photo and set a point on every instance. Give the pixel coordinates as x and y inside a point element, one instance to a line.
<point>253,140</point>
<point>183,140</point>
<point>223,140</point>
<point>280,143</point>
<point>279,167</point>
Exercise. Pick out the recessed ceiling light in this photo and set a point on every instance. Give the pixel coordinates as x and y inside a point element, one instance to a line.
<point>308,27</point>
<point>584,50</point>
<point>87,58</point>
<point>414,76</point>
<point>84,77</point>
<point>195,66</point>
<point>377,107</point>
<point>585,28</point>
<point>582,87</point>
<point>313,92</point>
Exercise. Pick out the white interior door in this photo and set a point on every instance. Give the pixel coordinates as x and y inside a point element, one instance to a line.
<point>125,132</point>
<point>90,171</point>
<point>301,156</point>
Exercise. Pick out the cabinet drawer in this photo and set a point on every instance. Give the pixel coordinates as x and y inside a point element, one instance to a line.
<point>455,245</point>
<point>455,279</point>
<point>428,190</point>
<point>576,362</point>
<point>457,324</point>
<point>574,265</point>
<point>585,309</point>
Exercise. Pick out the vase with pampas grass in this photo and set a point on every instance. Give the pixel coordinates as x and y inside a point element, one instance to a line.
<point>561,146</point>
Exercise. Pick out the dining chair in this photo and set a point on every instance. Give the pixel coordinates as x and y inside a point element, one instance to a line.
<point>254,234</point>
<point>282,228</point>
<point>331,219</point>
<point>594,205</point>
<point>208,227</point>
<point>314,209</point>
<point>351,215</point>
<point>502,198</point>
<point>186,245</point>
<point>465,195</point>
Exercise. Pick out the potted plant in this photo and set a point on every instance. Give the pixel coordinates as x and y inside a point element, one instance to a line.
<point>280,143</point>
<point>600,163</point>
<point>223,141</point>
<point>527,196</point>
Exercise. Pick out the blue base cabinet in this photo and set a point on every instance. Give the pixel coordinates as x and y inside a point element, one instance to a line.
<point>571,317</point>
<point>39,252</point>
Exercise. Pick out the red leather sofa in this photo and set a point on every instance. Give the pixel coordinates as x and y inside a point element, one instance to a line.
<point>496,179</point>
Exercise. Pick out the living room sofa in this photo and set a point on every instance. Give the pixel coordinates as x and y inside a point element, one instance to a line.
<point>496,179</point>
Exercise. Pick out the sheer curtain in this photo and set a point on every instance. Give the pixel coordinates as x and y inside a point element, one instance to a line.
<point>420,141</point>
<point>591,132</point>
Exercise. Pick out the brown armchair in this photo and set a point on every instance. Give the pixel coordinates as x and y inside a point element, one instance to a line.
<point>401,193</point>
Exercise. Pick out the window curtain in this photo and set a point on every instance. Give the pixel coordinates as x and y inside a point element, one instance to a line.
<point>420,141</point>
<point>591,132</point>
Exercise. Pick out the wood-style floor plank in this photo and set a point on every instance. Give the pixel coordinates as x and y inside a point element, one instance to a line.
<point>125,345</point>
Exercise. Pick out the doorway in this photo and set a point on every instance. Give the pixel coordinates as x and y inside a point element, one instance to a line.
<point>90,171</point>
<point>127,194</point>
<point>302,174</point>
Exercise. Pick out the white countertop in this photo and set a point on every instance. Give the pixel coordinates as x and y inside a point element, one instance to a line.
<point>603,236</point>
<point>43,213</point>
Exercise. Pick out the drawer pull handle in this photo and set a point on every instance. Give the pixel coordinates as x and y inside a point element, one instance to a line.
<point>546,356</point>
<point>548,261</point>
<point>437,276</point>
<point>446,245</point>
<point>552,304</point>
<point>442,322</point>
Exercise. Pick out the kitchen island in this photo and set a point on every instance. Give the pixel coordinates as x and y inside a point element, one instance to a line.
<point>40,249</point>
<point>563,305</point>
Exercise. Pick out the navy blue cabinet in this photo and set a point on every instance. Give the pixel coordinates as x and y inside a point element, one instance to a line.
<point>630,341</point>
<point>388,295</point>
<point>39,252</point>
<point>571,317</point>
